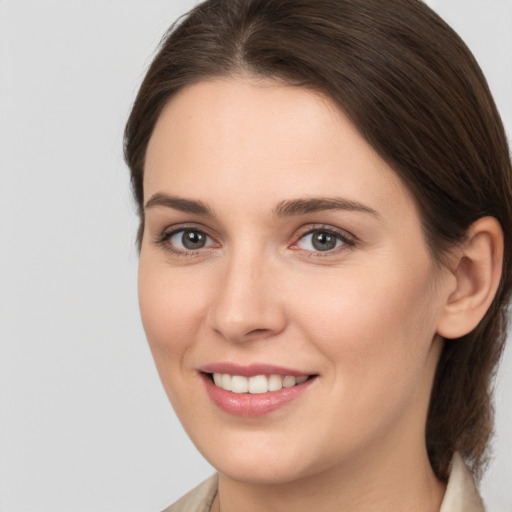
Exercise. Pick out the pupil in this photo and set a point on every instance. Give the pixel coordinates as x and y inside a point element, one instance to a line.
<point>323,241</point>
<point>193,239</point>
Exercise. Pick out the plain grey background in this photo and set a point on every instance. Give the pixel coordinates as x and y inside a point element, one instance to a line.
<point>84,422</point>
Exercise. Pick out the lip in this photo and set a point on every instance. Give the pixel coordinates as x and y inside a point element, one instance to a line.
<point>250,405</point>
<point>251,370</point>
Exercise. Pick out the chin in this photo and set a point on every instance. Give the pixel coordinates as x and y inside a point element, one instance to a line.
<point>268,471</point>
<point>258,459</point>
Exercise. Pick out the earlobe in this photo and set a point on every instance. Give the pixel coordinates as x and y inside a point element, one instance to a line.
<point>477,268</point>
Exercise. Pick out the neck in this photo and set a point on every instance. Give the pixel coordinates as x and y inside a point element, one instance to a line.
<point>376,485</point>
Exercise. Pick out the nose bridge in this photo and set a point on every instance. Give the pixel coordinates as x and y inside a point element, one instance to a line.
<point>247,303</point>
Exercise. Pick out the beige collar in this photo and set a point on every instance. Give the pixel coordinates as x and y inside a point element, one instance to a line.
<point>461,493</point>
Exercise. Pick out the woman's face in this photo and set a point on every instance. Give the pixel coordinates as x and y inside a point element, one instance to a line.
<point>278,244</point>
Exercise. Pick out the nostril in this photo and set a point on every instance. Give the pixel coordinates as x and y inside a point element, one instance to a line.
<point>258,331</point>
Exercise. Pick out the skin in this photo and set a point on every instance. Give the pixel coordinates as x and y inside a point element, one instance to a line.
<point>364,316</point>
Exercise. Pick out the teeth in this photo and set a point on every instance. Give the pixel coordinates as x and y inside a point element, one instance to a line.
<point>275,383</point>
<point>225,381</point>
<point>239,384</point>
<point>288,381</point>
<point>257,384</point>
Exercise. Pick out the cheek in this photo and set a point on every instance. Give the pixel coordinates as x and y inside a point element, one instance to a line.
<point>171,306</point>
<point>376,334</point>
<point>373,322</point>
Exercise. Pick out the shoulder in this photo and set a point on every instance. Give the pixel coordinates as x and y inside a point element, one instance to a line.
<point>461,492</point>
<point>198,499</point>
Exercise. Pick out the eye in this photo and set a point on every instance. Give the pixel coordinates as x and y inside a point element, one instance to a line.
<point>322,240</point>
<point>186,240</point>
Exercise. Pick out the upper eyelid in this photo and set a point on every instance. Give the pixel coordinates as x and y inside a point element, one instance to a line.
<point>176,228</point>
<point>302,231</point>
<point>306,230</point>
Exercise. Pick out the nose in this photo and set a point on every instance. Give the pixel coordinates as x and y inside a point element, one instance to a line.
<point>247,303</point>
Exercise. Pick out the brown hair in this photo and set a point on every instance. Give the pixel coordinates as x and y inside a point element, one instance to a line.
<point>416,93</point>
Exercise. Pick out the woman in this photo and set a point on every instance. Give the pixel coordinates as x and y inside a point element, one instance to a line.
<point>324,190</point>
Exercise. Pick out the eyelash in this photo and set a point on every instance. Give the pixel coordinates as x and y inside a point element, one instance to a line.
<point>348,241</point>
<point>164,241</point>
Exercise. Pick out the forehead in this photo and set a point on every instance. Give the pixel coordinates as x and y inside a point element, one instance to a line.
<point>227,138</point>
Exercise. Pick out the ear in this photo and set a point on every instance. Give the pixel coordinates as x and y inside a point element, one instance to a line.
<point>476,266</point>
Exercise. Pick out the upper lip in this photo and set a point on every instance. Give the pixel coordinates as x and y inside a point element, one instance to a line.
<point>250,370</point>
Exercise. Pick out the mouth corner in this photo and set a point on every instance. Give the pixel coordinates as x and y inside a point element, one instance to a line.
<point>207,375</point>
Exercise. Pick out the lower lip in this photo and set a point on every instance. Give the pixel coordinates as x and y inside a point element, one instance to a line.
<point>252,405</point>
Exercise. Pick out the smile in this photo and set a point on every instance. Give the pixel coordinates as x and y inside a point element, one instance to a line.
<point>254,390</point>
<point>257,384</point>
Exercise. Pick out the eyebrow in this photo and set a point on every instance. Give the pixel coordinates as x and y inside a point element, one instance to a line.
<point>178,203</point>
<point>287,208</point>
<point>317,204</point>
